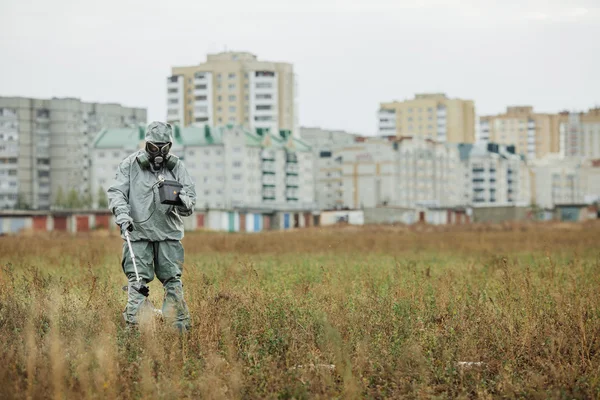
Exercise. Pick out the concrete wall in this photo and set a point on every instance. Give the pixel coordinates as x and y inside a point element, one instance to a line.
<point>352,217</point>
<point>390,215</point>
<point>500,214</point>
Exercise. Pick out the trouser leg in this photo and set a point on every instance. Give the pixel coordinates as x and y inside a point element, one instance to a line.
<point>144,257</point>
<point>169,256</point>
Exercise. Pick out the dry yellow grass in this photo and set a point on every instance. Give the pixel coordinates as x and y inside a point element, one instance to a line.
<point>394,310</point>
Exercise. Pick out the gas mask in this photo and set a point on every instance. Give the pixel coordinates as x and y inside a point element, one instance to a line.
<point>158,153</point>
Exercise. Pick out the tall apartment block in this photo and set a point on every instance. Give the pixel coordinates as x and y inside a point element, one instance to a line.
<point>234,88</point>
<point>533,134</point>
<point>430,115</point>
<point>327,167</point>
<point>45,145</point>
<point>580,134</point>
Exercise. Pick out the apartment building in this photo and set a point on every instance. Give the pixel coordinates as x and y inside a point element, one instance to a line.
<point>234,88</point>
<point>232,167</point>
<point>327,168</point>
<point>533,134</point>
<point>409,172</point>
<point>494,175</point>
<point>45,146</point>
<point>580,134</point>
<point>430,115</point>
<point>565,180</point>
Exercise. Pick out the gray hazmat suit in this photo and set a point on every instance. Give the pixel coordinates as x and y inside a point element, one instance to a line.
<point>157,228</point>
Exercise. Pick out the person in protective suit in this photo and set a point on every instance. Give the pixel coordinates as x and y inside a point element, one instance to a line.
<point>155,229</point>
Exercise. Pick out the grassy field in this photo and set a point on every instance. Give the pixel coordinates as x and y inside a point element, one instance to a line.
<point>334,313</point>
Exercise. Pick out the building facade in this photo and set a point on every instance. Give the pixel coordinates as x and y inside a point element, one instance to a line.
<point>45,146</point>
<point>411,172</point>
<point>580,134</point>
<point>232,167</point>
<point>565,180</point>
<point>494,176</point>
<point>234,88</point>
<point>533,134</point>
<point>431,115</point>
<point>327,167</point>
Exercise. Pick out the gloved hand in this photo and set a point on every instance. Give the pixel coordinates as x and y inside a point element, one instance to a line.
<point>126,226</point>
<point>125,222</point>
<point>183,209</point>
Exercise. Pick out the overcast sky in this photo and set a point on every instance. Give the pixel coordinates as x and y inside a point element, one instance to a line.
<point>349,55</point>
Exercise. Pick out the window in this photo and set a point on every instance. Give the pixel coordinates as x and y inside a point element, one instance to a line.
<point>206,179</point>
<point>231,108</point>
<point>263,118</point>
<point>173,101</point>
<point>219,165</point>
<point>207,192</point>
<point>201,119</point>
<point>231,75</point>
<point>264,73</point>
<point>263,107</point>
<point>325,154</point>
<point>263,96</point>
<point>41,174</point>
<point>237,164</point>
<point>218,98</point>
<point>232,119</point>
<point>237,149</point>
<point>172,90</point>
<point>237,177</point>
<point>200,98</point>
<point>231,86</point>
<point>200,87</point>
<point>219,108</point>
<point>264,85</point>
<point>232,98</point>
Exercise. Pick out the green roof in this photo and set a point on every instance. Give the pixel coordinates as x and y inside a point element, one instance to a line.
<point>118,137</point>
<point>189,136</point>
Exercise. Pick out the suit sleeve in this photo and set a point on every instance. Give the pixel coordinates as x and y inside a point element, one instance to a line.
<point>118,192</point>
<point>188,195</point>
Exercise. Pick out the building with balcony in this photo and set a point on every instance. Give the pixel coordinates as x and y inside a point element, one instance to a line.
<point>430,115</point>
<point>410,172</point>
<point>580,134</point>
<point>327,168</point>
<point>565,180</point>
<point>45,146</point>
<point>233,168</point>
<point>532,134</point>
<point>494,176</point>
<point>234,88</point>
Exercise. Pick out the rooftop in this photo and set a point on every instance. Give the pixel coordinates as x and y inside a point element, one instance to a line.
<point>118,138</point>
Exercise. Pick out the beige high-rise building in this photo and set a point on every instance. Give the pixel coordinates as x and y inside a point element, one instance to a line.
<point>234,88</point>
<point>432,115</point>
<point>533,134</point>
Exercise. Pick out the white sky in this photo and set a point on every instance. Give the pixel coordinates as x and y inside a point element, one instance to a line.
<point>349,55</point>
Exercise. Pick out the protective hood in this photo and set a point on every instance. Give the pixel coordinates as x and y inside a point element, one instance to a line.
<point>159,132</point>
